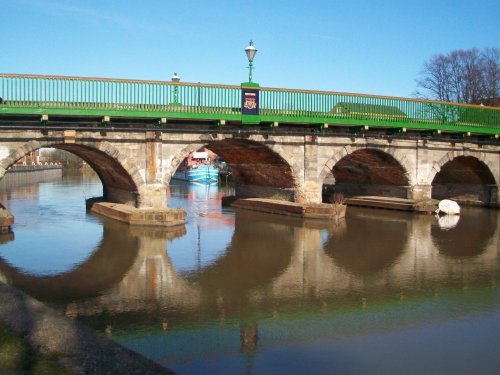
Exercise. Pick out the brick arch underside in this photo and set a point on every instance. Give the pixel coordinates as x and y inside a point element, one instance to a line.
<point>257,170</point>
<point>464,178</point>
<point>369,172</point>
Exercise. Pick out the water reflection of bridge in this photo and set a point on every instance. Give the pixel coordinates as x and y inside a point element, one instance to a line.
<point>275,263</point>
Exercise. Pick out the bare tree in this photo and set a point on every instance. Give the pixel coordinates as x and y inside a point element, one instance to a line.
<point>491,69</point>
<point>462,76</point>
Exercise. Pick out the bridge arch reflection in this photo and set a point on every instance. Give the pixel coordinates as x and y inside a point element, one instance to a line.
<point>105,267</point>
<point>271,263</point>
<point>137,259</point>
<point>470,237</point>
<point>259,251</point>
<point>370,242</point>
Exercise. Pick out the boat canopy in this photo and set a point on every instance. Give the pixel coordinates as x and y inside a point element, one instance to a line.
<point>200,155</point>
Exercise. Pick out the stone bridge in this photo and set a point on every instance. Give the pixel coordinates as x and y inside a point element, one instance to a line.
<point>136,165</point>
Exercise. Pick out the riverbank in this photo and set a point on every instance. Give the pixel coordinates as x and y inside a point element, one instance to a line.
<point>19,175</point>
<point>17,357</point>
<point>42,337</point>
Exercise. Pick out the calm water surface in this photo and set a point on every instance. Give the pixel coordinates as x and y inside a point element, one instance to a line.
<point>238,292</point>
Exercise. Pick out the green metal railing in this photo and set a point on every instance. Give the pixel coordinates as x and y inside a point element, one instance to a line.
<point>32,94</point>
<point>352,109</point>
<point>91,96</point>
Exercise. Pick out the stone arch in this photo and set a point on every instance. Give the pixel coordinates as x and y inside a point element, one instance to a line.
<point>258,170</point>
<point>465,177</point>
<point>347,150</point>
<point>396,171</point>
<point>451,155</point>
<point>119,176</point>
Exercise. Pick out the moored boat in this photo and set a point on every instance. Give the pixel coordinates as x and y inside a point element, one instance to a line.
<point>197,167</point>
<point>203,173</point>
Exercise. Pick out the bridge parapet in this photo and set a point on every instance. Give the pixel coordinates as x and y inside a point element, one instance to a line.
<point>76,96</point>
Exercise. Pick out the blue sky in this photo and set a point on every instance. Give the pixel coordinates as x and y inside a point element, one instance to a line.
<point>372,47</point>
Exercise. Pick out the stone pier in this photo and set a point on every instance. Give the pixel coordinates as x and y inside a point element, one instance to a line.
<point>166,217</point>
<point>6,220</point>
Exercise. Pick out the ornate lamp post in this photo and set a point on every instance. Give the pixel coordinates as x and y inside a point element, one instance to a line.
<point>250,92</point>
<point>250,51</point>
<point>176,79</point>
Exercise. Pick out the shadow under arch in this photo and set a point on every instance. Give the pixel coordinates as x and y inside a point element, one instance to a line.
<point>369,172</point>
<point>260,250</point>
<point>370,242</point>
<point>463,178</point>
<point>258,171</point>
<point>471,235</point>
<point>103,269</point>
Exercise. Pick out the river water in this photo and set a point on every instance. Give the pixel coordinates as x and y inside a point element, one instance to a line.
<point>240,292</point>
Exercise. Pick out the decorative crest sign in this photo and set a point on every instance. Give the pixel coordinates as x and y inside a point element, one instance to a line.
<point>249,101</point>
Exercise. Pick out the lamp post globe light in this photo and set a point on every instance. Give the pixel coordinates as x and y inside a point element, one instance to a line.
<point>176,79</point>
<point>250,51</point>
